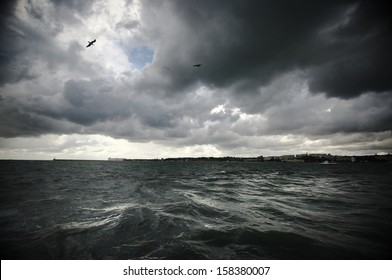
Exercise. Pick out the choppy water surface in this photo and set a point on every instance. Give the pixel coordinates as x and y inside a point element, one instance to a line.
<point>194,210</point>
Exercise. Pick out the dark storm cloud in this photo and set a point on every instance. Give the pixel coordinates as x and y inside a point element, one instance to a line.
<point>361,53</point>
<point>81,104</point>
<point>343,45</point>
<point>90,102</point>
<point>11,42</point>
<point>7,8</point>
<point>369,113</point>
<point>17,118</point>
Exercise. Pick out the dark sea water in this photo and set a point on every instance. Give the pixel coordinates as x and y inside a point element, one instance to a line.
<point>194,210</point>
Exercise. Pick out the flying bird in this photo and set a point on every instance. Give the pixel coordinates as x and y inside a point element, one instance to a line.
<point>91,43</point>
<point>196,65</point>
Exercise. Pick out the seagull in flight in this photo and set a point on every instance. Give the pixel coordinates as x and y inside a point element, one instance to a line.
<point>196,65</point>
<point>91,43</point>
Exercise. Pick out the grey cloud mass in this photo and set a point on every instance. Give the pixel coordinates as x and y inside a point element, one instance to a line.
<point>343,45</point>
<point>275,75</point>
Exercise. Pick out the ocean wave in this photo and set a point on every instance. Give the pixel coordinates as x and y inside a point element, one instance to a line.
<point>163,210</point>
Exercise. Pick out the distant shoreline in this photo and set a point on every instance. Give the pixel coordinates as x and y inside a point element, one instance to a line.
<point>304,158</point>
<point>317,158</point>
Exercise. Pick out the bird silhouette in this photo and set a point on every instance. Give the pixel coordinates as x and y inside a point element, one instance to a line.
<point>196,65</point>
<point>91,43</point>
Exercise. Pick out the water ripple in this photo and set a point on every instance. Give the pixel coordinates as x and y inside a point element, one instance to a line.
<point>194,210</point>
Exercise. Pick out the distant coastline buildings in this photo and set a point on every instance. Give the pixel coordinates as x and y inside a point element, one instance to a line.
<point>329,158</point>
<point>300,158</point>
<point>116,159</point>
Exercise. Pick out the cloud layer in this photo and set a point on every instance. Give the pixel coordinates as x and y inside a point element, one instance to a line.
<point>276,76</point>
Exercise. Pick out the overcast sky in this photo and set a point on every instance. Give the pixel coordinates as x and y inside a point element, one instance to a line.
<point>277,77</point>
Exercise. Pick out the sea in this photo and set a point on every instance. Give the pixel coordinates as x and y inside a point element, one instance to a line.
<point>100,210</point>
